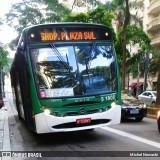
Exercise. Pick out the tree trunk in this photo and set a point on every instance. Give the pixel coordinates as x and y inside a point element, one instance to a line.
<point>119,21</point>
<point>123,42</point>
<point>158,91</point>
<point>123,61</point>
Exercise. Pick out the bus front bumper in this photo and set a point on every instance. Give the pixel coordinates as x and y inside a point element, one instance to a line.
<point>49,123</point>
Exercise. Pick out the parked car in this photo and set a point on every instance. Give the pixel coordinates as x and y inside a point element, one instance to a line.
<point>158,121</point>
<point>133,111</point>
<point>148,97</point>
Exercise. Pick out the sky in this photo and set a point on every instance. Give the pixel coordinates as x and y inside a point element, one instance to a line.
<point>6,32</point>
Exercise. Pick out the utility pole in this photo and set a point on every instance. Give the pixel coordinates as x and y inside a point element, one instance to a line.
<point>148,57</point>
<point>145,71</point>
<point>138,80</point>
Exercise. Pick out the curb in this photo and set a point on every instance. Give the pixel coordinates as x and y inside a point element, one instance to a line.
<point>6,146</point>
<point>152,112</point>
<point>151,116</point>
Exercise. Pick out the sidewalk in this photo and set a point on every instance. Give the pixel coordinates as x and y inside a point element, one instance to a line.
<point>4,130</point>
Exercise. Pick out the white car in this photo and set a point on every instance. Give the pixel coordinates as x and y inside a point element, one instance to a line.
<point>148,97</point>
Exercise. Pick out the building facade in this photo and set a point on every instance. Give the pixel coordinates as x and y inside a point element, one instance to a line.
<point>151,25</point>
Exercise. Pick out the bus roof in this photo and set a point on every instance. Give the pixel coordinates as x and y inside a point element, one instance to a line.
<point>65,23</point>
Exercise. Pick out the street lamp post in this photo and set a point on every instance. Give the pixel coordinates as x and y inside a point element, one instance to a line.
<point>137,93</point>
<point>148,57</point>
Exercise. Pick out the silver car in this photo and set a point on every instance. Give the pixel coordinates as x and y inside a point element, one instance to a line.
<point>148,97</point>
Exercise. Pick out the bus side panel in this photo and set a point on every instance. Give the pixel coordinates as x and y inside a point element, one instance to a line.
<point>25,90</point>
<point>14,84</point>
<point>119,101</point>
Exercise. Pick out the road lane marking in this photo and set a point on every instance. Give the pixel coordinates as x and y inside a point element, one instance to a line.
<point>140,139</point>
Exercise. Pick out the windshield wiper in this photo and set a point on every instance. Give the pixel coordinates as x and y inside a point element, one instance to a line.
<point>61,59</point>
<point>91,53</point>
<point>88,58</point>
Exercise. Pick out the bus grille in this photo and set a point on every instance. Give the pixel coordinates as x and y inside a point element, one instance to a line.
<point>92,111</point>
<point>74,124</point>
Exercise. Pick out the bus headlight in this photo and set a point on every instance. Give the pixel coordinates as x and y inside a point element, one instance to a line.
<point>47,112</point>
<point>113,104</point>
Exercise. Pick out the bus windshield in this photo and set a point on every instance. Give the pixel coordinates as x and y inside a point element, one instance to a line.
<point>74,70</point>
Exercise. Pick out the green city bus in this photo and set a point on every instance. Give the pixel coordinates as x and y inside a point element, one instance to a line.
<point>65,77</point>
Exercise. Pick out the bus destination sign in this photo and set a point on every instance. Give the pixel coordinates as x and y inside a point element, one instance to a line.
<point>61,36</point>
<point>48,34</point>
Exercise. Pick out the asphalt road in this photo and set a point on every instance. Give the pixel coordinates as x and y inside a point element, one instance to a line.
<point>131,136</point>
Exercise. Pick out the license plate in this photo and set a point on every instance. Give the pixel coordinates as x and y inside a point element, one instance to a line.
<point>136,111</point>
<point>83,120</point>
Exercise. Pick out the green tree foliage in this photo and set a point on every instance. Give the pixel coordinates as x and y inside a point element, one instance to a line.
<point>3,57</point>
<point>97,15</point>
<point>54,11</point>
<point>134,35</point>
<point>32,12</point>
<point>77,17</point>
<point>122,10</point>
<point>3,62</point>
<point>90,4</point>
<point>23,14</point>
<point>27,18</point>
<point>119,8</point>
<point>100,15</point>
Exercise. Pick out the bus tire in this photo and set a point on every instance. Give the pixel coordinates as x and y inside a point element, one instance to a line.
<point>17,105</point>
